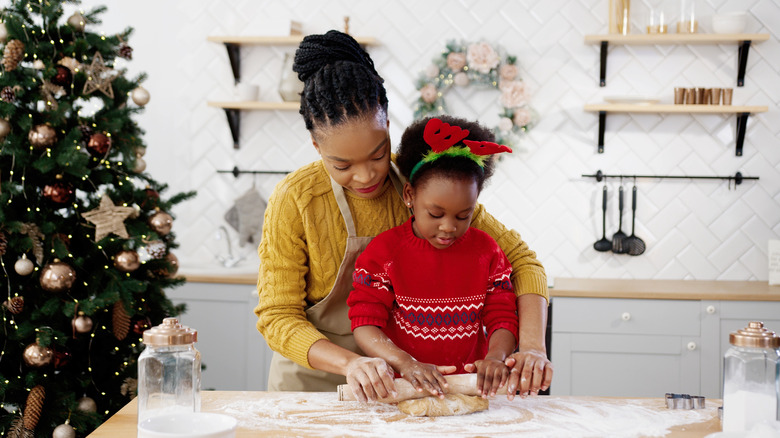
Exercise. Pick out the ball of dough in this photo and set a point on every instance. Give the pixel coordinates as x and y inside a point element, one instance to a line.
<point>451,404</point>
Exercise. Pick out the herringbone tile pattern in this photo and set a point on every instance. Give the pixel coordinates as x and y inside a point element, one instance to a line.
<point>693,229</point>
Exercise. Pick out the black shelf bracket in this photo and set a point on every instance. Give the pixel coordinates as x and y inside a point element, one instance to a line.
<point>234,54</point>
<point>742,119</point>
<point>742,53</point>
<point>602,126</point>
<point>603,69</point>
<point>234,121</point>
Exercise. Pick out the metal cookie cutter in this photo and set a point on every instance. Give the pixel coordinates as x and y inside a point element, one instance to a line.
<point>684,401</point>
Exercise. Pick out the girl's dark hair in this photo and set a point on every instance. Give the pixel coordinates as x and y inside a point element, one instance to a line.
<point>340,81</point>
<point>413,147</point>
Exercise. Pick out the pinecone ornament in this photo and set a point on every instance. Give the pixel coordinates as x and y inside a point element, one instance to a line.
<point>8,95</point>
<point>86,132</point>
<point>13,54</point>
<point>125,51</point>
<point>34,407</point>
<point>120,321</point>
<point>17,429</point>
<point>3,243</point>
<point>15,305</point>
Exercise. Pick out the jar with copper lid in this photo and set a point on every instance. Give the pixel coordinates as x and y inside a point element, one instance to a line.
<point>168,371</point>
<point>751,379</point>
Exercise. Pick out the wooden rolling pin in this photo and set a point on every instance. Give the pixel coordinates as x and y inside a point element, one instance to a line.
<point>458,384</point>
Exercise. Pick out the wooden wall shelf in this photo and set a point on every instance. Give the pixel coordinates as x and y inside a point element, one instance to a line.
<point>742,112</point>
<point>743,40</point>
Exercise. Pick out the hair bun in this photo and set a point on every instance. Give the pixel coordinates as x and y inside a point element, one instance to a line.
<point>317,51</point>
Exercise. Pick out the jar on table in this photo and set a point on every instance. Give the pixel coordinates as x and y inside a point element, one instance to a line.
<point>168,371</point>
<point>751,379</point>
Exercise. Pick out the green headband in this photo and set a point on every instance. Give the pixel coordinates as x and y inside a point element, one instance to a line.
<point>454,151</point>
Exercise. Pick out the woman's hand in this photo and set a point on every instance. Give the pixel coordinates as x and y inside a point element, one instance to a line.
<point>492,374</point>
<point>370,378</point>
<point>425,376</point>
<point>530,373</point>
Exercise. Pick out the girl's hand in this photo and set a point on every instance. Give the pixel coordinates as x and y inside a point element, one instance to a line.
<point>531,372</point>
<point>425,376</point>
<point>370,378</point>
<point>492,374</point>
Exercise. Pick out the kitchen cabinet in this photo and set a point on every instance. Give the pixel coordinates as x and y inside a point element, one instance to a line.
<point>644,338</point>
<point>234,353</point>
<point>233,46</point>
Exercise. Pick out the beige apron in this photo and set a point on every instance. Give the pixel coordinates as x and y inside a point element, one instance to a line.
<point>330,315</point>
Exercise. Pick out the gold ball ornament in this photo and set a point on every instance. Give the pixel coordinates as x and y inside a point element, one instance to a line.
<point>86,404</point>
<point>3,33</point>
<point>64,430</point>
<point>5,128</point>
<point>140,96</point>
<point>161,222</point>
<point>38,64</point>
<point>140,164</point>
<point>57,276</point>
<point>174,262</point>
<point>36,356</point>
<point>82,323</point>
<point>127,260</point>
<point>42,136</point>
<point>77,21</point>
<point>24,266</point>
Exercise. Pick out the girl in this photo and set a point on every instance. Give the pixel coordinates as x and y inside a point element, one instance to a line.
<point>321,216</point>
<point>427,291</point>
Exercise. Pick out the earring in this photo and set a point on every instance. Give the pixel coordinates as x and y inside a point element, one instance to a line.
<point>408,204</point>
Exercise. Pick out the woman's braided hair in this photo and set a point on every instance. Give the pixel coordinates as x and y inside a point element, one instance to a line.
<point>340,81</point>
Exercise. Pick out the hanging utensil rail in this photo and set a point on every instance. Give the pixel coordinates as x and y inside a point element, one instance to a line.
<point>236,171</point>
<point>737,178</point>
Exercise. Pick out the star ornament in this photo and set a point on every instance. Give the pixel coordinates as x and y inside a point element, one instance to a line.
<point>99,77</point>
<point>108,219</point>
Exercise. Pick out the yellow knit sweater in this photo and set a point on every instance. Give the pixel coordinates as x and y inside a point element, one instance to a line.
<point>303,243</point>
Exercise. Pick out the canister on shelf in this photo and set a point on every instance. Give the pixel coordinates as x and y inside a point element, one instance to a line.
<point>751,380</point>
<point>168,371</point>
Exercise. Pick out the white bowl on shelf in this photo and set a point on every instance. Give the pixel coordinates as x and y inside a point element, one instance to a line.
<point>729,22</point>
<point>190,425</point>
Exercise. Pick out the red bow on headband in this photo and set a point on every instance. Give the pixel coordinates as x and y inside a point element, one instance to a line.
<point>441,136</point>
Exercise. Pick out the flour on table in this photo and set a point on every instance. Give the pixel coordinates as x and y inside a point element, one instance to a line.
<point>322,415</point>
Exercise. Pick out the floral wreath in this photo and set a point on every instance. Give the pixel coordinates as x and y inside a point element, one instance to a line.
<point>465,64</point>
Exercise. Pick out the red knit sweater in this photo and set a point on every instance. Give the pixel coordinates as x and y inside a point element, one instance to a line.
<point>435,304</point>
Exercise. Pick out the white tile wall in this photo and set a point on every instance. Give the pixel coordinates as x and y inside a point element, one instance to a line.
<point>693,229</point>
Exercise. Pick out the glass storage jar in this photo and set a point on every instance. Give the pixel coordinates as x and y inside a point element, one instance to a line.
<point>168,371</point>
<point>751,378</point>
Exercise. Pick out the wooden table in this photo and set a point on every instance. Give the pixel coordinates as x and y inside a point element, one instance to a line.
<point>278,414</point>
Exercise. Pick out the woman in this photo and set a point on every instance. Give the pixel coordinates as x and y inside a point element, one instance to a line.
<point>321,217</point>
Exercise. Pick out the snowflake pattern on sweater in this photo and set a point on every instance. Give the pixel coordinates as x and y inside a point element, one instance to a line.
<point>439,305</point>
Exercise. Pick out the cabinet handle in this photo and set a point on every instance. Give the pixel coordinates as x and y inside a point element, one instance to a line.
<point>711,309</point>
<point>691,346</point>
<point>626,316</point>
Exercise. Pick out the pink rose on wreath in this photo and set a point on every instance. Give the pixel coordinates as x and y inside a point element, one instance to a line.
<point>505,124</point>
<point>522,117</point>
<point>513,94</point>
<point>429,93</point>
<point>461,79</point>
<point>507,72</point>
<point>456,61</point>
<point>482,57</point>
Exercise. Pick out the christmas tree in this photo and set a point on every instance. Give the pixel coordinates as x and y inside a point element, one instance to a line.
<point>85,236</point>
